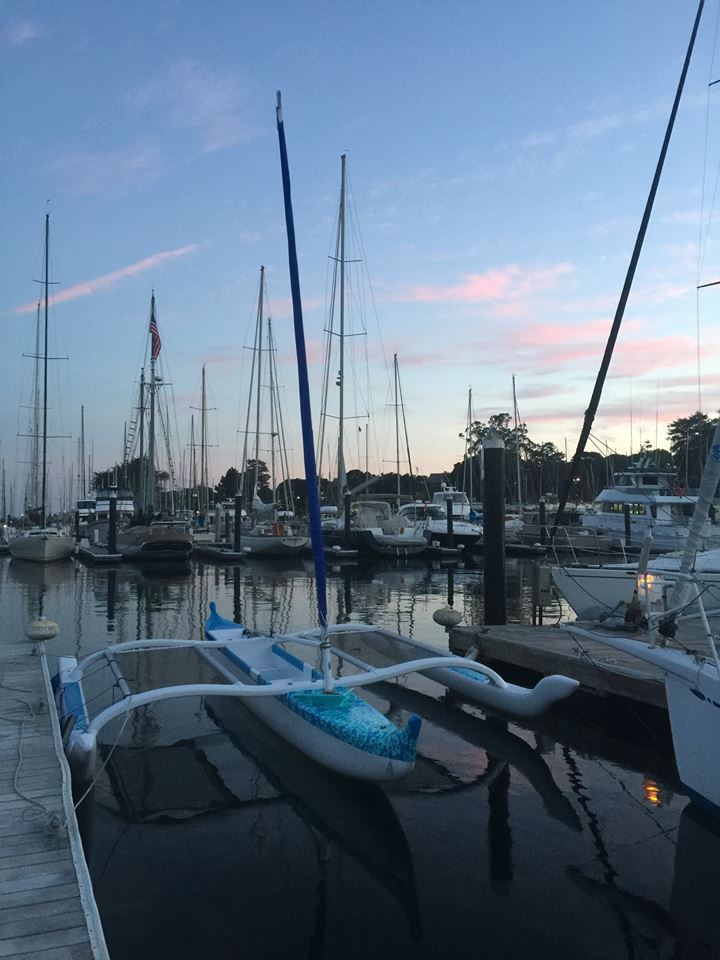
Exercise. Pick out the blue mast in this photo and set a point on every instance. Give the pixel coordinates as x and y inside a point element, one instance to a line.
<point>311,480</point>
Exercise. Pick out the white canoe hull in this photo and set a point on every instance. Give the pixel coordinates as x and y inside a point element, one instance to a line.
<point>337,755</point>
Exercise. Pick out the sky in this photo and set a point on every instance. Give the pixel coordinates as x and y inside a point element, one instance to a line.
<point>499,160</point>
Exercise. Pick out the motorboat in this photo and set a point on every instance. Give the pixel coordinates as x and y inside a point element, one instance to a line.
<point>160,540</point>
<point>431,522</point>
<point>641,498</point>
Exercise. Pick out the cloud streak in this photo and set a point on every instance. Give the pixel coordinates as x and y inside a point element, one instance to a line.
<point>195,98</point>
<point>511,282</point>
<point>22,32</point>
<point>108,171</point>
<point>89,287</point>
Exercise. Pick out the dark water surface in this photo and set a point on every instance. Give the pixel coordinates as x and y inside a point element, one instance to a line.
<point>207,837</point>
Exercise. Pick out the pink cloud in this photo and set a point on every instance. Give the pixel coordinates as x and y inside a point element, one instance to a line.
<point>505,283</point>
<point>89,287</point>
<point>282,306</point>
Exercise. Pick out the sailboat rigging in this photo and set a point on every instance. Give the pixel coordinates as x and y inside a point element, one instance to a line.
<point>270,533</point>
<point>43,544</point>
<point>150,537</point>
<point>304,705</point>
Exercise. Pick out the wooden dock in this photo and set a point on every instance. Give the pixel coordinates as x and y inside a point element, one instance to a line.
<point>547,649</point>
<point>47,907</point>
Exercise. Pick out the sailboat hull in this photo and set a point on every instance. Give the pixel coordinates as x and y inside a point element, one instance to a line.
<point>42,547</point>
<point>694,709</point>
<point>692,687</point>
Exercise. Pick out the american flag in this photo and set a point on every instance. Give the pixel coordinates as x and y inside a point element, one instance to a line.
<point>154,335</point>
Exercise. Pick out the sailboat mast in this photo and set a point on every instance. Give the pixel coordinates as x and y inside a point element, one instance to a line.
<point>150,489</point>
<point>83,485</point>
<point>468,456</point>
<point>397,430</point>
<point>272,407</point>
<point>193,460</point>
<point>35,430</point>
<point>259,380</point>
<point>203,447</point>
<point>342,479</point>
<point>517,448</point>
<point>625,292</point>
<point>45,374</point>
<point>143,471</point>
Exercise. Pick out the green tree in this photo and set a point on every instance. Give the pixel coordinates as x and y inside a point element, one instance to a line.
<point>228,486</point>
<point>690,439</point>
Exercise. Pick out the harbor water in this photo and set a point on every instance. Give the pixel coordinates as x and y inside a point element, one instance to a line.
<point>208,837</point>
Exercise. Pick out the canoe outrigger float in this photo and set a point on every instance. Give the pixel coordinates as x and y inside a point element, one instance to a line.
<point>334,726</point>
<point>305,705</point>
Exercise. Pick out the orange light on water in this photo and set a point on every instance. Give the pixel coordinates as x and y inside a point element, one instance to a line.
<point>652,793</point>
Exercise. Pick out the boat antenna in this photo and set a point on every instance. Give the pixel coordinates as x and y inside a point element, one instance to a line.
<point>615,329</point>
<point>311,480</point>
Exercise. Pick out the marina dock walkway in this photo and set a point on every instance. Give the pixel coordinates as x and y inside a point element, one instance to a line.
<point>547,650</point>
<point>47,907</point>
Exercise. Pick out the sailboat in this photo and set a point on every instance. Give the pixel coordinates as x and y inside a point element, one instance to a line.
<point>308,706</point>
<point>691,677</point>
<point>162,539</point>
<point>42,543</point>
<point>270,535</point>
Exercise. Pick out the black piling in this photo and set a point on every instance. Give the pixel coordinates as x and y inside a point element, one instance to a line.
<point>236,528</point>
<point>628,525</point>
<point>543,521</point>
<point>346,518</point>
<point>77,526</point>
<point>450,536</point>
<point>494,529</point>
<point>227,526</point>
<point>112,522</point>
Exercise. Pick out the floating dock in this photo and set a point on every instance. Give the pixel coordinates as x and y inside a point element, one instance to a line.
<point>47,906</point>
<point>547,649</point>
<point>97,554</point>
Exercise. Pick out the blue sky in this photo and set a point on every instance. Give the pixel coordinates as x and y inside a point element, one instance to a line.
<point>499,158</point>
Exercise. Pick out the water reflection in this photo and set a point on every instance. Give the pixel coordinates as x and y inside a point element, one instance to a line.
<point>201,832</point>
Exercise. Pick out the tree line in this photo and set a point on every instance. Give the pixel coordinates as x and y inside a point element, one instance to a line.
<point>543,469</point>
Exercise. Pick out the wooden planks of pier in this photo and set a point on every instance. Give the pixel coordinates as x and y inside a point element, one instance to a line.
<point>547,650</point>
<point>47,909</point>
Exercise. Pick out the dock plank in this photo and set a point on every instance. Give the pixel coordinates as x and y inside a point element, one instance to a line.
<point>44,914</point>
<point>25,944</point>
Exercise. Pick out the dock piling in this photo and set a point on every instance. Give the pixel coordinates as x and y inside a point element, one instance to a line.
<point>494,528</point>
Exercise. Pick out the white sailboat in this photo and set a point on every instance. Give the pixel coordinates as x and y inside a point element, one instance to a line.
<point>43,543</point>
<point>161,539</point>
<point>692,680</point>
<point>271,533</point>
